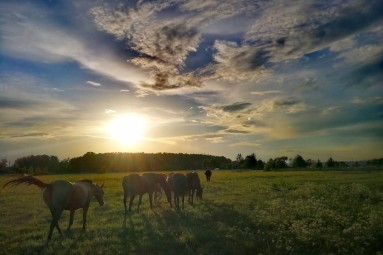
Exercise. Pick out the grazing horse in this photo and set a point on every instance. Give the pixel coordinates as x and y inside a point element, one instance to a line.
<point>208,175</point>
<point>62,195</point>
<point>178,183</point>
<point>134,184</point>
<point>194,185</point>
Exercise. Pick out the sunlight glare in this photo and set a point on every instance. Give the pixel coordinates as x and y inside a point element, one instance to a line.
<point>127,129</point>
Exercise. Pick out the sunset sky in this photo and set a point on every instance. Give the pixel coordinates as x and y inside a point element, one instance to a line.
<point>220,77</point>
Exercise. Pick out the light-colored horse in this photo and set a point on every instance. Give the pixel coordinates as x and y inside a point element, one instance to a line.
<point>62,195</point>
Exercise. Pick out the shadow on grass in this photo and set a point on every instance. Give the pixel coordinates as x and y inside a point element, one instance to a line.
<point>208,228</point>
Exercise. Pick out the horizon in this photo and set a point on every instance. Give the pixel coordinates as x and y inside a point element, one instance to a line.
<point>200,77</point>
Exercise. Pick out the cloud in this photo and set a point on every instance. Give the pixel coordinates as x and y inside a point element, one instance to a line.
<point>378,100</point>
<point>234,62</point>
<point>235,107</point>
<point>163,45</point>
<point>96,84</point>
<point>246,144</point>
<point>234,131</point>
<point>262,93</point>
<point>109,111</point>
<point>291,105</point>
<point>32,135</point>
<point>50,42</point>
<point>291,30</point>
<point>332,110</point>
<point>17,103</point>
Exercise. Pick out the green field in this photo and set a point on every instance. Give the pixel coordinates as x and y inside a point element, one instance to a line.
<point>243,212</point>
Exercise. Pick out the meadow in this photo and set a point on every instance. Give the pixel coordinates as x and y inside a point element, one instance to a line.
<point>243,212</point>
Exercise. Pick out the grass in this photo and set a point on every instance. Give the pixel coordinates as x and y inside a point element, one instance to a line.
<point>248,212</point>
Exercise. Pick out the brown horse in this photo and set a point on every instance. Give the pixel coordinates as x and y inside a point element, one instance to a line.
<point>135,184</point>
<point>178,183</point>
<point>194,185</point>
<point>208,175</point>
<point>62,195</point>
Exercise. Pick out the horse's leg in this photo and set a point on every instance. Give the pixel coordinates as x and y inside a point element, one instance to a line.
<point>131,202</point>
<point>54,223</point>
<point>70,219</point>
<point>84,212</point>
<point>183,198</point>
<point>192,196</point>
<point>51,229</point>
<point>125,197</point>
<point>139,202</point>
<point>150,200</point>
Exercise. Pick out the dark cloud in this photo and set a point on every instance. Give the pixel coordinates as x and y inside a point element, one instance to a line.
<point>349,21</point>
<point>366,75</point>
<point>234,131</point>
<point>235,107</point>
<point>251,59</point>
<point>13,103</point>
<point>285,102</point>
<point>29,135</point>
<point>253,123</point>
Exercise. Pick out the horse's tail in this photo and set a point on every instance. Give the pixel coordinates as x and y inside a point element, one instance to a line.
<point>29,180</point>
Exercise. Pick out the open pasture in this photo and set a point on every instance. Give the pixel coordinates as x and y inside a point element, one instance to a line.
<point>242,212</point>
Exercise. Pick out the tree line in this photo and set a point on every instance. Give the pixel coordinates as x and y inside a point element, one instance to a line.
<point>91,162</point>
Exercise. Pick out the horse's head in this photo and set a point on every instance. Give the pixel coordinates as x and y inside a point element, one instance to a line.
<point>99,193</point>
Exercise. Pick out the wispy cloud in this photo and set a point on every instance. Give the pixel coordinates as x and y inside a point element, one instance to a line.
<point>262,93</point>
<point>246,144</point>
<point>96,84</point>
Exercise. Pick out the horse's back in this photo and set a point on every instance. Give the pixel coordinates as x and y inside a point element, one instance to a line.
<point>132,184</point>
<point>150,181</point>
<point>57,194</point>
<point>178,183</point>
<point>80,195</point>
<point>193,180</point>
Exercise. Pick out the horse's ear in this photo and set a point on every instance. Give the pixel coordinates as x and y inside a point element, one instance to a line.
<point>102,186</point>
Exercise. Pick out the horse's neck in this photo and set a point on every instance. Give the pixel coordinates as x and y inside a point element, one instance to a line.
<point>89,187</point>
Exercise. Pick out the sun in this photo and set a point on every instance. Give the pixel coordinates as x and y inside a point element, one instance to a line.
<point>127,129</point>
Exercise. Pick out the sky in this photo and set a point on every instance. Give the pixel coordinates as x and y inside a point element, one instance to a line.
<point>219,77</point>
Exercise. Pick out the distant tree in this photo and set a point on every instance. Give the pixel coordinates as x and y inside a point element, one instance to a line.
<point>280,162</point>
<point>319,164</point>
<point>260,164</point>
<point>239,161</point>
<point>3,164</point>
<point>40,164</point>
<point>251,161</point>
<point>330,162</point>
<point>276,163</point>
<point>269,164</point>
<point>299,162</point>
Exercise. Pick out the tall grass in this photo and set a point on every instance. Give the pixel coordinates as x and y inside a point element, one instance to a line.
<point>248,212</point>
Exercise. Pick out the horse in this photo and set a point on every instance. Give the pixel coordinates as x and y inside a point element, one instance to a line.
<point>63,195</point>
<point>208,175</point>
<point>178,183</point>
<point>194,185</point>
<point>135,184</point>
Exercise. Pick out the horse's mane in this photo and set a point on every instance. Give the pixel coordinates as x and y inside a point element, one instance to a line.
<point>86,180</point>
<point>29,180</point>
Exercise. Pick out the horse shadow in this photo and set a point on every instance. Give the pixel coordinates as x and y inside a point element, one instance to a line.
<point>213,228</point>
